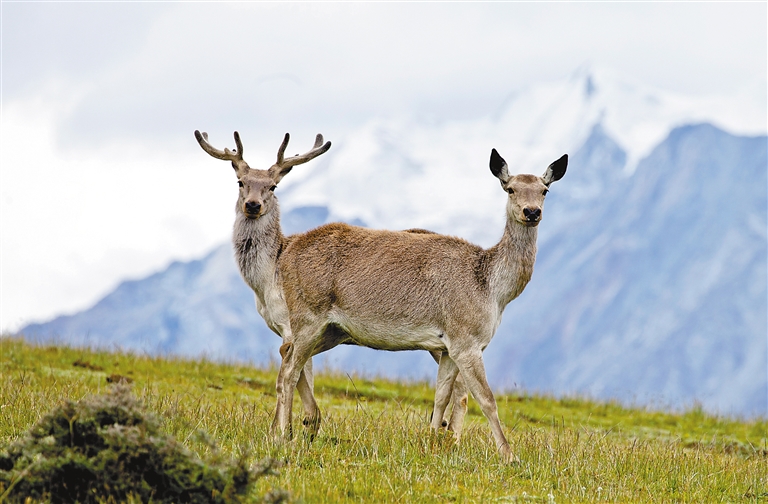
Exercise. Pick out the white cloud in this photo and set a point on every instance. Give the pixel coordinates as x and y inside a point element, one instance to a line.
<point>101,177</point>
<point>273,65</point>
<point>75,221</point>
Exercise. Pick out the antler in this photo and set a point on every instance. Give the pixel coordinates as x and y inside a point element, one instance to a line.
<point>317,149</point>
<point>235,156</point>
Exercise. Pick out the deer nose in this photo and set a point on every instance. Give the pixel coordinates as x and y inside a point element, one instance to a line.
<point>532,214</point>
<point>251,207</point>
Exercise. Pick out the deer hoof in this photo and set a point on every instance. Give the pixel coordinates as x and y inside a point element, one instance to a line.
<point>509,457</point>
<point>312,426</point>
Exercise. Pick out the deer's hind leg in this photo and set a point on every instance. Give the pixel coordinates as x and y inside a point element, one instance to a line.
<point>457,402</point>
<point>459,398</point>
<point>306,389</point>
<point>446,376</point>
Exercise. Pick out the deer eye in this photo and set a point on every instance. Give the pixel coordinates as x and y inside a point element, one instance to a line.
<point>273,188</point>
<point>240,183</point>
<point>544,193</point>
<point>510,190</point>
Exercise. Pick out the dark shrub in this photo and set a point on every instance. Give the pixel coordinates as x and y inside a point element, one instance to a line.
<point>107,448</point>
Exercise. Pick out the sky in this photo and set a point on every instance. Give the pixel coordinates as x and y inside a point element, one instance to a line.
<point>101,179</point>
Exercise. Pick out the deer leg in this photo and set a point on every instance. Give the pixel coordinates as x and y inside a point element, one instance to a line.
<point>275,430</point>
<point>446,374</point>
<point>459,397</point>
<point>306,388</point>
<point>295,355</point>
<point>287,377</point>
<point>470,364</point>
<point>436,354</point>
<point>305,385</point>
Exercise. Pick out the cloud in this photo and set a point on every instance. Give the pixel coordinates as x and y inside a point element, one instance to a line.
<point>152,71</point>
<point>99,166</point>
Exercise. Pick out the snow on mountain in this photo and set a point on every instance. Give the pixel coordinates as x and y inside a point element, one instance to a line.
<point>650,287</point>
<point>657,291</point>
<point>650,284</point>
<point>411,172</point>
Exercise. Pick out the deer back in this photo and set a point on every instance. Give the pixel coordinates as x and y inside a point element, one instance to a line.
<point>392,279</point>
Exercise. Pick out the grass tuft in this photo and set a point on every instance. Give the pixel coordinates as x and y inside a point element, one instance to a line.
<point>107,448</point>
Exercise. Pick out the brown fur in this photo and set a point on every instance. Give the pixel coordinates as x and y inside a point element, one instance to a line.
<point>258,243</point>
<point>406,291</point>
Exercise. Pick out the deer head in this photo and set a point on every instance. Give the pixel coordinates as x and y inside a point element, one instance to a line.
<point>257,186</point>
<point>526,192</point>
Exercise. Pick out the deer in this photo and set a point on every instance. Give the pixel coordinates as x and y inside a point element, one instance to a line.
<point>393,290</point>
<point>258,242</point>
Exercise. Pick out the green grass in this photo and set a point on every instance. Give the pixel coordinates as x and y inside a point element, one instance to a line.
<point>375,444</point>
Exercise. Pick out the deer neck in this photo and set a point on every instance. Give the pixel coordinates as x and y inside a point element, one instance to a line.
<point>258,244</point>
<point>511,261</point>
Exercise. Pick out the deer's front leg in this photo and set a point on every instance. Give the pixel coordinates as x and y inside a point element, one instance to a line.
<point>284,401</point>
<point>306,384</point>
<point>295,355</point>
<point>470,364</point>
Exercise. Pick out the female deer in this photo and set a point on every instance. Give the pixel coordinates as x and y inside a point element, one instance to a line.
<point>391,290</point>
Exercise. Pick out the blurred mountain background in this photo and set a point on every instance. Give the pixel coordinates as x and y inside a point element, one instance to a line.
<point>650,281</point>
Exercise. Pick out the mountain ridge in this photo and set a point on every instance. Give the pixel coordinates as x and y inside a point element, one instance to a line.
<point>643,290</point>
<point>650,280</point>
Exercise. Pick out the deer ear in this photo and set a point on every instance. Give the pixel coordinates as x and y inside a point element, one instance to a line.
<point>499,167</point>
<point>556,170</point>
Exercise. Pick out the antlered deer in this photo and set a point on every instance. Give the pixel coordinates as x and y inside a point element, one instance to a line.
<point>392,290</point>
<point>258,241</point>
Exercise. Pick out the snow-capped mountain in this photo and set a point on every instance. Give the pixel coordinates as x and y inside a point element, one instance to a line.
<point>410,172</point>
<point>662,291</point>
<point>650,283</point>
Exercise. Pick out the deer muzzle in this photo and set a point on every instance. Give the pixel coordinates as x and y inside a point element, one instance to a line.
<point>532,215</point>
<point>252,209</point>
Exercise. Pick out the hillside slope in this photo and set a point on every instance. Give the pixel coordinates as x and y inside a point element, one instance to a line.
<point>649,287</point>
<point>375,444</point>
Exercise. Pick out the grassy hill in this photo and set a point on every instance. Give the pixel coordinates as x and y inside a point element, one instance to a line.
<point>375,444</point>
